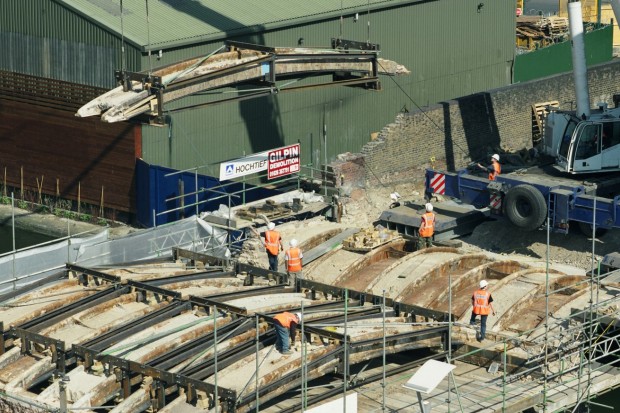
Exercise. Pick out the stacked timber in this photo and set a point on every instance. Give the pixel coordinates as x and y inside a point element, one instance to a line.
<point>369,238</point>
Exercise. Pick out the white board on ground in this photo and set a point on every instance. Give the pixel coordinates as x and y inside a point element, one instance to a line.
<point>337,406</point>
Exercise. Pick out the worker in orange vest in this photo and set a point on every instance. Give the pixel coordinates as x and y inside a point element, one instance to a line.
<point>494,169</point>
<point>482,306</point>
<point>273,244</point>
<point>286,325</point>
<point>293,257</point>
<point>427,228</point>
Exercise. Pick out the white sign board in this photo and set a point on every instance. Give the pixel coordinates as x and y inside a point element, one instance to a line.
<point>285,160</point>
<point>429,376</point>
<point>337,406</point>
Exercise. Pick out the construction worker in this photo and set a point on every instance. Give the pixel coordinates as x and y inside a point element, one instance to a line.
<point>427,228</point>
<point>482,306</point>
<point>494,169</point>
<point>293,257</point>
<point>273,245</point>
<point>286,325</point>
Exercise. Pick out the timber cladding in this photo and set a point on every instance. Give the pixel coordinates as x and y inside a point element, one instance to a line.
<point>64,153</point>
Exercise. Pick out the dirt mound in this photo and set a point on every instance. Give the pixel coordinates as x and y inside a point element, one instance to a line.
<point>573,248</point>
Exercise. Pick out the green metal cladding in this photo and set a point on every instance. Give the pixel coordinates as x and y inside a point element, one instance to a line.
<point>557,58</point>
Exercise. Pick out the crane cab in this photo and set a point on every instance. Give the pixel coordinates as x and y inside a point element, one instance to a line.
<point>584,146</point>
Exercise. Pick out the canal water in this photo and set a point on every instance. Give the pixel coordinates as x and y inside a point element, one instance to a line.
<point>22,238</point>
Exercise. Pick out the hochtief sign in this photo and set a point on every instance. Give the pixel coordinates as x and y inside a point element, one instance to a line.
<point>259,162</point>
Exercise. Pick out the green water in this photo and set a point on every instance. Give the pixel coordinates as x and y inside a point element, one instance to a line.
<point>22,238</point>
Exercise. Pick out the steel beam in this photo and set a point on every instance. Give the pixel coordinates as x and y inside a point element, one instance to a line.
<point>121,332</point>
<point>62,313</point>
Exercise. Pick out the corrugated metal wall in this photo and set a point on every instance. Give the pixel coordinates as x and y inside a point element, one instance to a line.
<point>451,47</point>
<point>43,38</point>
<point>557,58</point>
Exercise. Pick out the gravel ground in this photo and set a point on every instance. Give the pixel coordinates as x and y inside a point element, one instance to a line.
<point>363,208</point>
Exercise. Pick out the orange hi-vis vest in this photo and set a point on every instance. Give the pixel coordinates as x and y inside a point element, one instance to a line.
<point>481,302</point>
<point>293,256</point>
<point>497,169</point>
<point>427,225</point>
<point>285,319</point>
<point>272,241</point>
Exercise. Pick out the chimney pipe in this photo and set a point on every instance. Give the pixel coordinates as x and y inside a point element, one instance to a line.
<point>580,73</point>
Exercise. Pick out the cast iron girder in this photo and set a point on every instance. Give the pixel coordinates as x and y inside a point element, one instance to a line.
<point>251,292</point>
<point>226,358</point>
<point>182,84</point>
<point>64,312</point>
<point>326,307</point>
<point>206,303</point>
<point>170,379</point>
<point>198,256</point>
<point>93,273</point>
<point>57,347</point>
<point>397,306</point>
<point>205,275</point>
<point>191,348</point>
<point>153,289</point>
<point>287,379</point>
<point>267,92</point>
<point>314,330</point>
<point>261,272</point>
<point>417,335</point>
<point>123,331</point>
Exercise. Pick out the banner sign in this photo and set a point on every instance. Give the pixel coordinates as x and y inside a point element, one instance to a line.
<point>283,161</point>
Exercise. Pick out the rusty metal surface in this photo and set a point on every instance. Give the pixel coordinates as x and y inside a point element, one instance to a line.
<point>45,151</point>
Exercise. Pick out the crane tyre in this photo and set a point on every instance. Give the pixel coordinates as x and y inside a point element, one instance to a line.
<point>525,207</point>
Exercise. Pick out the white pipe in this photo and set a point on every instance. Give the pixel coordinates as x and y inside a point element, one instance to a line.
<point>575,25</point>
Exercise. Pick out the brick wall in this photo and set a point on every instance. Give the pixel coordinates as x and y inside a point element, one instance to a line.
<point>451,134</point>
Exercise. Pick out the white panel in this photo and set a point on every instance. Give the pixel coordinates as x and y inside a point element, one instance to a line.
<point>429,376</point>
<point>336,406</point>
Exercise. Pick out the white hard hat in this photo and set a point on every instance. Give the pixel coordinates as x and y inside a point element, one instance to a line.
<point>293,242</point>
<point>395,196</point>
<point>496,157</point>
<point>483,283</point>
<point>271,226</point>
<point>298,315</point>
<point>429,207</point>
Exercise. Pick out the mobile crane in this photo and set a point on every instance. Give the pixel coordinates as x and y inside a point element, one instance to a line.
<point>580,142</point>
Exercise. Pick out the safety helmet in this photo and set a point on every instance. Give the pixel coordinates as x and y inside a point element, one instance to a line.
<point>483,283</point>
<point>298,315</point>
<point>429,207</point>
<point>293,243</point>
<point>495,156</point>
<point>271,226</point>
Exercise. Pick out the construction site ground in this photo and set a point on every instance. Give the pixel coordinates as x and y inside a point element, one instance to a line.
<point>513,261</point>
<point>363,206</point>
